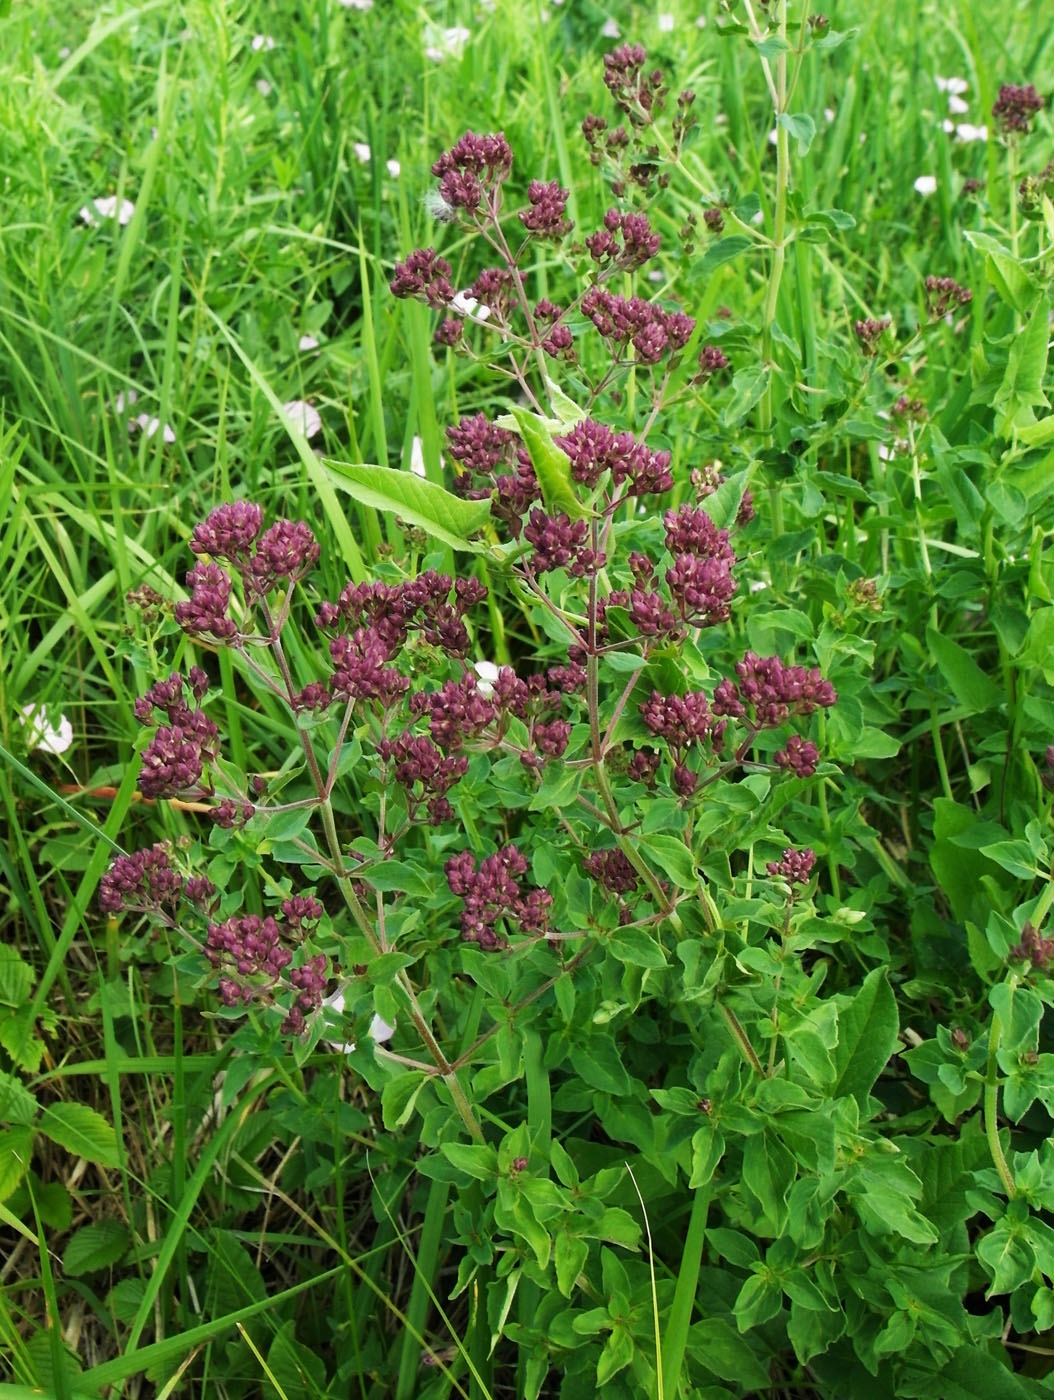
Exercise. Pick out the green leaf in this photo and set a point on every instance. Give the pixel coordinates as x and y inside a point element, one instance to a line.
<point>968,683</point>
<point>396,875</point>
<point>801,126</point>
<point>82,1131</point>
<point>399,1096</point>
<point>298,1373</point>
<point>637,946</point>
<point>1007,1256</point>
<point>1004,270</point>
<point>974,1374</point>
<point>17,1104</point>
<point>1038,650</point>
<point>419,502</point>
<point>771,46</point>
<point>1014,856</point>
<point>471,1158</point>
<point>867,1036</point>
<point>552,466</point>
<point>16,1150</point>
<point>569,1256</point>
<point>673,859</point>
<point>723,250</point>
<point>16,978</point>
<point>721,1350</point>
<point>95,1247</point>
<point>617,1353</point>
<point>1022,388</point>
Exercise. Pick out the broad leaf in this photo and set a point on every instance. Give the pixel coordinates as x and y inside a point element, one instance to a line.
<point>82,1131</point>
<point>419,502</point>
<point>867,1036</point>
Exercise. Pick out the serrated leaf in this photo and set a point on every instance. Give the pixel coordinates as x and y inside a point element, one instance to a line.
<point>17,1104</point>
<point>16,978</point>
<point>95,1247</point>
<point>82,1131</point>
<point>16,1150</point>
<point>417,501</point>
<point>867,1036</point>
<point>723,250</point>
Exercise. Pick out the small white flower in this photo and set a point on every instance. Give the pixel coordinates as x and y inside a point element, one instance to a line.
<point>107,208</point>
<point>774,136</point>
<point>124,400</point>
<point>65,51</point>
<point>759,217</point>
<point>362,152</point>
<point>926,184</point>
<point>828,115</point>
<point>609,29</point>
<point>417,457</point>
<point>885,452</point>
<point>666,24</point>
<point>466,305</point>
<point>721,119</point>
<point>362,5</point>
<point>952,85</point>
<point>488,674</point>
<point>448,43</point>
<point>152,426</point>
<point>655,275</point>
<point>304,416</point>
<point>394,168</point>
<point>263,86</point>
<point>760,584</point>
<point>307,342</point>
<point>379,1031</point>
<point>957,106</point>
<point>701,22</point>
<point>262,42</point>
<point>965,132</point>
<point>947,126</point>
<point>42,732</point>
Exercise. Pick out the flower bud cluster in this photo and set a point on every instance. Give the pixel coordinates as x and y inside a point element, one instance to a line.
<point>944,293</point>
<point>869,333</point>
<point>613,870</point>
<point>472,169</point>
<point>483,450</point>
<point>637,93</point>
<point>1033,948</point>
<point>795,866</point>
<point>147,881</point>
<point>593,448</point>
<point>546,214</point>
<point>625,242</point>
<point>633,322</point>
<point>1015,107</point>
<point>261,951</point>
<point>493,895</point>
<point>768,693</point>
<point>175,759</point>
<point>560,543</point>
<point>424,276</point>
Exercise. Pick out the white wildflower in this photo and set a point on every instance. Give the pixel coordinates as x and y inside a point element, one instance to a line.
<point>151,427</point>
<point>488,674</point>
<point>262,42</point>
<point>666,24</point>
<point>307,342</point>
<point>394,168</point>
<point>947,126</point>
<point>379,1031</point>
<point>263,86</point>
<point>926,184</point>
<point>303,416</point>
<point>828,115</point>
<point>417,457</point>
<point>610,30</point>
<point>954,86</point>
<point>447,43</point>
<point>466,305</point>
<point>362,5</point>
<point>966,132</point>
<point>957,106</point>
<point>43,732</point>
<point>107,208</point>
<point>362,152</point>
<point>124,400</point>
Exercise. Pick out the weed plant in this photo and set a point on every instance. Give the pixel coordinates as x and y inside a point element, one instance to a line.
<point>527,701</point>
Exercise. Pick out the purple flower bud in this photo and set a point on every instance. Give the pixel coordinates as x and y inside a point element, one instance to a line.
<point>547,215</point>
<point>228,532</point>
<point>425,276</point>
<point>799,756</point>
<point>144,880</point>
<point>1015,107</point>
<point>795,867</point>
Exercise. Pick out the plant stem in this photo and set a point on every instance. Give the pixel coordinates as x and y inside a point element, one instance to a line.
<point>739,1035</point>
<point>991,1109</point>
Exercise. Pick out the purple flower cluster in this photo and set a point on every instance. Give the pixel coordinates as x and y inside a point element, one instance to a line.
<point>636,92</point>
<point>483,450</point>
<point>700,578</point>
<point>799,756</point>
<point>372,622</point>
<point>613,870</point>
<point>1033,948</point>
<point>558,341</point>
<point>424,276</point>
<point>625,242</point>
<point>175,758</point>
<point>426,773</point>
<point>560,543</point>
<point>457,713</point>
<point>768,692</point>
<point>473,167</point>
<point>712,359</point>
<point>593,448</point>
<point>263,950</point>
<point>143,880</point>
<point>492,894</point>
<point>795,866</point>
<point>546,214</point>
<point>624,321</point>
<point>229,532</point>
<point>944,293</point>
<point>869,333</point>
<point>206,613</point>
<point>684,722</point>
<point>1015,106</point>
